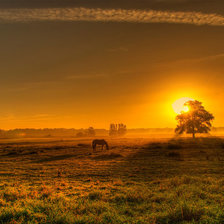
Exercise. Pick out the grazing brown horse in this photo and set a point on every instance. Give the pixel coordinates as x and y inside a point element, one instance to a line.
<point>101,142</point>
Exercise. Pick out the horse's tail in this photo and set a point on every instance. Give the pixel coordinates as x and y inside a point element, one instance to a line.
<point>107,146</point>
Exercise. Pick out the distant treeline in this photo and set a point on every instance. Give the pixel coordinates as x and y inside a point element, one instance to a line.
<point>219,129</point>
<point>47,132</point>
<point>63,132</point>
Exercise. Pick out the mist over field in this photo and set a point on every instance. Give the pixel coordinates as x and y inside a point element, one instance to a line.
<point>72,133</point>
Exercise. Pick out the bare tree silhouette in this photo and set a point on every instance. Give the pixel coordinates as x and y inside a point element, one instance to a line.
<point>117,129</point>
<point>122,129</point>
<point>196,120</point>
<point>113,130</point>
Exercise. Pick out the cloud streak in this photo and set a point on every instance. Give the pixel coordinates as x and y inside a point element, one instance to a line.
<point>109,15</point>
<point>84,77</point>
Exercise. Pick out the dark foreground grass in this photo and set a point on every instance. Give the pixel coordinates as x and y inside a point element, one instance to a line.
<point>177,181</point>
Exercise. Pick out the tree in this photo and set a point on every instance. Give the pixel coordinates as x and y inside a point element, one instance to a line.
<point>80,135</point>
<point>196,120</point>
<point>90,132</point>
<point>122,129</point>
<point>113,130</point>
<point>117,129</point>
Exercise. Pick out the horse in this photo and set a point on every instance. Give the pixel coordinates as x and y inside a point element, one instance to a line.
<point>101,142</point>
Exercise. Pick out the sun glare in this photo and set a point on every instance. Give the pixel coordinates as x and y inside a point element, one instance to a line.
<point>178,105</point>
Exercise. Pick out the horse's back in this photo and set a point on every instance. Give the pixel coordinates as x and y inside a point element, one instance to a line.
<point>99,141</point>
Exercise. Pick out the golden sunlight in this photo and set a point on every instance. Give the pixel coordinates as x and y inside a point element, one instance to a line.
<point>178,105</point>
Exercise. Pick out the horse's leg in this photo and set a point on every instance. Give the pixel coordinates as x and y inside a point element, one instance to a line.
<point>107,146</point>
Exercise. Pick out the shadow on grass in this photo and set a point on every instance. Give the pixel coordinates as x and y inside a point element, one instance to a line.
<point>107,156</point>
<point>55,158</point>
<point>175,157</point>
<point>183,143</point>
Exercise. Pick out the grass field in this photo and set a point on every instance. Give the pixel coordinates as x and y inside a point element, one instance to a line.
<point>136,181</point>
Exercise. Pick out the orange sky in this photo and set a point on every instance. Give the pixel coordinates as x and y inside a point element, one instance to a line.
<point>74,74</point>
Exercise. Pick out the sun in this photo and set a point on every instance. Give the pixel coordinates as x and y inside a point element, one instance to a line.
<point>178,105</point>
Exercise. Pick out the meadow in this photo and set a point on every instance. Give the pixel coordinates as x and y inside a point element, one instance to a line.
<point>138,180</point>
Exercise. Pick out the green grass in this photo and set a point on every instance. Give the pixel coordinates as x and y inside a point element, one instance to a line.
<point>167,181</point>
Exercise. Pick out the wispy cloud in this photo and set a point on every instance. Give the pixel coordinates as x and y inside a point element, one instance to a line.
<point>35,117</point>
<point>84,77</point>
<point>194,60</point>
<point>119,49</point>
<point>109,15</point>
<point>202,59</point>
